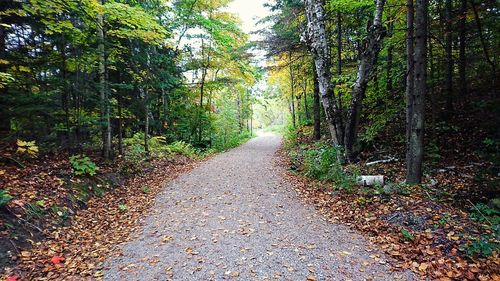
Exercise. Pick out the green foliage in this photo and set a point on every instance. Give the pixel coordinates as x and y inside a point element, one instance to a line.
<point>322,164</point>
<point>33,210</point>
<point>145,189</point>
<point>483,213</point>
<point>483,246</point>
<point>158,148</point>
<point>486,244</point>
<point>146,67</point>
<point>4,197</point>
<point>182,148</point>
<point>444,219</point>
<point>61,213</point>
<point>432,153</point>
<point>290,135</point>
<point>122,207</point>
<point>407,235</point>
<point>83,166</point>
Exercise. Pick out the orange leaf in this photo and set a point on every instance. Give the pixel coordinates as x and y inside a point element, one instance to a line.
<point>56,259</point>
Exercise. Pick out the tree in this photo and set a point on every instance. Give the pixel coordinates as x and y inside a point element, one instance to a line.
<point>105,107</point>
<point>415,150</point>
<point>316,33</point>
<point>372,45</point>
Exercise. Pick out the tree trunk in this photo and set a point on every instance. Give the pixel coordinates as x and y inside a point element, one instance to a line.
<point>462,58</point>
<point>416,150</point>
<point>165,108</point>
<point>238,107</point>
<point>120,127</point>
<point>339,43</point>
<point>319,46</point>
<point>373,44</point>
<point>448,57</point>
<point>410,67</point>
<point>431,85</point>
<point>105,110</point>
<point>292,88</point>
<point>316,106</point>
<point>146,120</point>
<point>306,108</point>
<point>65,95</point>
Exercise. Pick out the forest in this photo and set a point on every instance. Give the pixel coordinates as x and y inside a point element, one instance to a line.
<point>102,101</point>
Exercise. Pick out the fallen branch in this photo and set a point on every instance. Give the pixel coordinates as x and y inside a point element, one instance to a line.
<point>383,161</point>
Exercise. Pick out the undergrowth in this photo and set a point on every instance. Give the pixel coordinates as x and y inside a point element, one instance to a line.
<point>318,161</point>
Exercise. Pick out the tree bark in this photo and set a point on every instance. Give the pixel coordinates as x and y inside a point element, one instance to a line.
<point>372,45</point>
<point>319,46</point>
<point>238,107</point>
<point>316,106</point>
<point>339,43</point>
<point>462,58</point>
<point>144,92</point>
<point>120,127</point>
<point>105,110</point>
<point>415,146</point>
<point>292,88</point>
<point>410,67</point>
<point>448,57</point>
<point>4,120</point>
<point>306,108</point>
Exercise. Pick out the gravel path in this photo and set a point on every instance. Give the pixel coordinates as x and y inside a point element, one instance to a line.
<point>233,217</point>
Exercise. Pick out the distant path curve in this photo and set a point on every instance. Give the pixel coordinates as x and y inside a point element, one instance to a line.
<point>234,217</point>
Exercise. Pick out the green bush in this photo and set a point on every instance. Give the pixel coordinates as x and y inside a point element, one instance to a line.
<point>4,197</point>
<point>322,164</point>
<point>290,136</point>
<point>182,148</point>
<point>158,148</point>
<point>483,213</point>
<point>482,246</point>
<point>82,165</point>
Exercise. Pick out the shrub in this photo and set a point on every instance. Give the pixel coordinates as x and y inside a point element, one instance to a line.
<point>483,213</point>
<point>82,165</point>
<point>27,147</point>
<point>158,148</point>
<point>482,246</point>
<point>4,197</point>
<point>322,164</point>
<point>182,148</point>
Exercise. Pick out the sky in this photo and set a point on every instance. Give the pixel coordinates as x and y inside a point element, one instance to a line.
<point>249,11</point>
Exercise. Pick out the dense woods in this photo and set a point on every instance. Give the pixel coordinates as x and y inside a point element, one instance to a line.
<point>409,94</point>
<point>96,94</point>
<point>374,60</point>
<point>91,73</point>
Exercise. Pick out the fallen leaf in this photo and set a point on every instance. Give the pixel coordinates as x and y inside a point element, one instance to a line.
<point>56,259</point>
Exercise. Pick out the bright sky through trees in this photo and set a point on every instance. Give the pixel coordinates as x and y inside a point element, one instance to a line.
<point>250,12</point>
